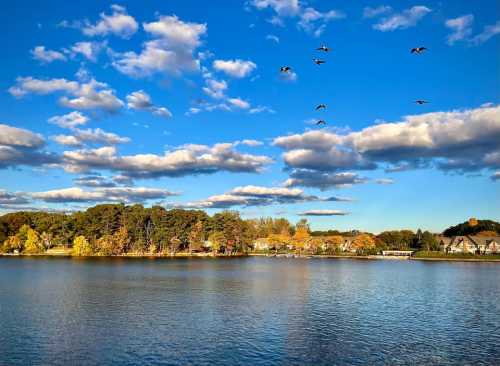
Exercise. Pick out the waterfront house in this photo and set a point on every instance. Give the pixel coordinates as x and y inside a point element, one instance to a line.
<point>471,244</point>
<point>487,244</point>
<point>461,244</point>
<point>261,244</point>
<point>347,245</point>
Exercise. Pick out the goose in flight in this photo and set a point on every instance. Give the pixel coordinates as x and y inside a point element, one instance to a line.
<point>317,61</point>
<point>418,50</point>
<point>321,106</point>
<point>420,101</point>
<point>285,68</point>
<point>323,48</point>
<point>321,122</point>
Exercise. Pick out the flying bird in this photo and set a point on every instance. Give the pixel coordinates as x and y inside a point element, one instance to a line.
<point>421,102</point>
<point>323,48</point>
<point>321,122</point>
<point>418,50</point>
<point>285,68</point>
<point>317,61</point>
<point>321,106</point>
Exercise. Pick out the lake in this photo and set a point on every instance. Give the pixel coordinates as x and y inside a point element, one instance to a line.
<point>248,311</point>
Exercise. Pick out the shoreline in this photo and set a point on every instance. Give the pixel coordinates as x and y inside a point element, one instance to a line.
<point>240,255</point>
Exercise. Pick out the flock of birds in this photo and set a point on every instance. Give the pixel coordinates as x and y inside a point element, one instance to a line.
<point>318,61</point>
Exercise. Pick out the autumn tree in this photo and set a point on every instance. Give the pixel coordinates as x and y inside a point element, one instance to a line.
<point>81,247</point>
<point>196,237</point>
<point>363,243</point>
<point>217,240</point>
<point>33,243</point>
<point>301,234</point>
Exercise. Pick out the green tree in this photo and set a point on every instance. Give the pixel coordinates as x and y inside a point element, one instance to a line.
<point>196,237</point>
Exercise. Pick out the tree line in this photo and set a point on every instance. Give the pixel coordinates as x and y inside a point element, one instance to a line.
<point>116,229</point>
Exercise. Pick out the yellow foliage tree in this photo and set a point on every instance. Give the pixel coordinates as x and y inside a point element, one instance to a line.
<point>473,221</point>
<point>363,242</point>
<point>81,247</point>
<point>33,242</point>
<point>300,237</point>
<point>11,243</point>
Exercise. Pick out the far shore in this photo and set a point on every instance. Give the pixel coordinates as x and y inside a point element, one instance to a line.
<point>269,255</point>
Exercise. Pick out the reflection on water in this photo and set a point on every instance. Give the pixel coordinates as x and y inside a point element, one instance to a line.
<point>258,311</point>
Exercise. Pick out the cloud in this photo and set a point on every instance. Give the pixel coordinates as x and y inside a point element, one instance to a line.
<point>103,194</point>
<point>119,23</point>
<point>94,181</point>
<point>97,136</point>
<point>22,147</point>
<point>406,19</point>
<point>258,196</point>
<point>460,140</point>
<point>461,28</point>
<point>260,109</point>
<point>309,19</point>
<point>321,180</point>
<point>495,176</point>
<point>46,56</point>
<point>289,76</point>
<point>10,199</point>
<point>171,52</point>
<point>384,181</point>
<point>324,213</point>
<point>235,68</point>
<point>215,88</point>
<point>273,38</point>
<point>89,95</point>
<point>239,103</point>
<point>69,120</point>
<point>185,160</point>
<point>488,32</point>
<point>90,50</point>
<point>369,12</point>
<point>252,143</point>
<point>140,100</point>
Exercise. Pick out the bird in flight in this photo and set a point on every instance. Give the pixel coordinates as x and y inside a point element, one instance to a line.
<point>285,68</point>
<point>323,48</point>
<point>418,50</point>
<point>321,122</point>
<point>317,61</point>
<point>321,106</point>
<point>420,101</point>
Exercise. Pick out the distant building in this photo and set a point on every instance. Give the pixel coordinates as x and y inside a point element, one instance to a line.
<point>471,244</point>
<point>397,253</point>
<point>347,245</point>
<point>261,244</point>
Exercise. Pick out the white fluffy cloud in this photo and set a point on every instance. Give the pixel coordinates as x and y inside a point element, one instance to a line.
<point>88,95</point>
<point>259,196</point>
<point>171,51</point>
<point>70,120</point>
<point>384,181</point>
<point>186,160</point>
<point>119,23</point>
<point>46,56</point>
<point>461,28</point>
<point>235,68</point>
<point>140,100</point>
<point>102,194</point>
<point>239,103</point>
<point>90,50</point>
<point>461,141</point>
<point>309,19</point>
<point>406,19</point>
<point>19,146</point>
<point>96,136</point>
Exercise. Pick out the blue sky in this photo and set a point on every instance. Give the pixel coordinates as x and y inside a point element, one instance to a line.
<point>182,104</point>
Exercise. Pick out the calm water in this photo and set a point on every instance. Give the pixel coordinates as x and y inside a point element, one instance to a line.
<point>252,311</point>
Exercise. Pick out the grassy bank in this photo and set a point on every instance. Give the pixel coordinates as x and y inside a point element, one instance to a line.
<point>423,255</point>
